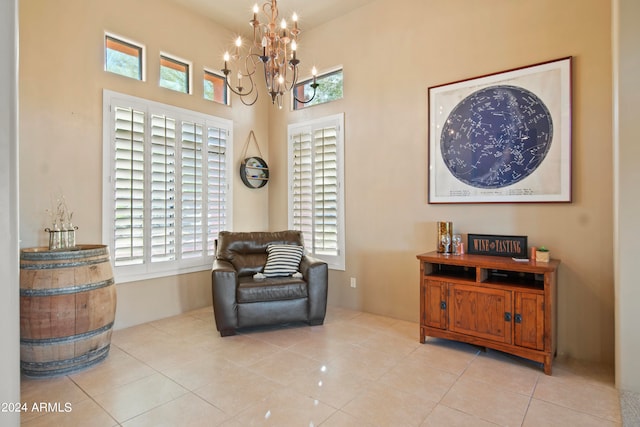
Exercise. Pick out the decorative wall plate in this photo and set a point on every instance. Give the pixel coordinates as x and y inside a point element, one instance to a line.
<point>254,172</point>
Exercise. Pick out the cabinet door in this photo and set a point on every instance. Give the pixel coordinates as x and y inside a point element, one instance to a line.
<point>480,312</point>
<point>529,320</point>
<point>435,304</point>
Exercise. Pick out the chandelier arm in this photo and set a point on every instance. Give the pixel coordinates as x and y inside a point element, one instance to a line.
<point>251,59</point>
<point>294,79</point>
<point>249,104</point>
<point>237,92</point>
<point>273,10</point>
<point>253,89</point>
<point>243,95</point>
<point>314,86</point>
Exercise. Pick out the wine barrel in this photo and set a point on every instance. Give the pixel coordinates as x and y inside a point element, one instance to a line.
<point>67,309</point>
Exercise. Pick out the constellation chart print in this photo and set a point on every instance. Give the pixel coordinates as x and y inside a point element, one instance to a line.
<point>496,136</point>
<point>503,137</point>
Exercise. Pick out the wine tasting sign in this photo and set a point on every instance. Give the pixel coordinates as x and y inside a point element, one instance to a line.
<point>489,244</point>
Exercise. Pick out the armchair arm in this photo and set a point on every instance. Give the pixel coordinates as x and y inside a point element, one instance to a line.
<point>316,274</point>
<point>224,280</point>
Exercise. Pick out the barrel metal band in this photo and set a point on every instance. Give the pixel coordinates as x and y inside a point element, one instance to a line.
<point>29,292</point>
<point>60,367</point>
<point>71,338</point>
<point>41,266</point>
<point>72,254</point>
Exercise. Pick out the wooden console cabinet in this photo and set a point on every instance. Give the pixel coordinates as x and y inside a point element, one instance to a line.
<point>490,301</point>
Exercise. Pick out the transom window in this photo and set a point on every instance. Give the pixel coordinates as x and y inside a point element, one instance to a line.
<point>166,194</point>
<point>175,74</point>
<point>215,88</point>
<point>123,57</point>
<point>329,89</point>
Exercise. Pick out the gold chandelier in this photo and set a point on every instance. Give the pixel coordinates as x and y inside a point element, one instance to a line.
<point>275,46</point>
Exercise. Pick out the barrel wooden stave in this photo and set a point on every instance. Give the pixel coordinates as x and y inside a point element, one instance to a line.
<point>67,309</point>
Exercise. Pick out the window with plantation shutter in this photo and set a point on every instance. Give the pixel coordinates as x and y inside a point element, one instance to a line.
<point>316,200</point>
<point>167,188</point>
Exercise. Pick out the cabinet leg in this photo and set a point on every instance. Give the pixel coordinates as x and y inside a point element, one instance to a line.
<point>547,365</point>
<point>422,336</point>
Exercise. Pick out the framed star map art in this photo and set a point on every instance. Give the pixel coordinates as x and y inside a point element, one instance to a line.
<point>503,137</point>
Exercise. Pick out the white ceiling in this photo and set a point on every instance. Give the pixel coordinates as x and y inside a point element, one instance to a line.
<point>235,14</point>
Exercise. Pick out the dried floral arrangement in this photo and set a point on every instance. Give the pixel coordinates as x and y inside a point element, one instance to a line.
<point>59,214</point>
<point>62,234</point>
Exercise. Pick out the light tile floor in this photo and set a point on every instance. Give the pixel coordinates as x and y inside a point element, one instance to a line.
<point>357,369</point>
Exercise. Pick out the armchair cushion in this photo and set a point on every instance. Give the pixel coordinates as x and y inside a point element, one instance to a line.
<point>271,289</point>
<point>282,260</point>
<point>247,251</point>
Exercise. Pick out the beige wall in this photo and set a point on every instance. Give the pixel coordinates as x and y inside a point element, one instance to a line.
<point>627,206</point>
<point>390,59</point>
<point>61,81</point>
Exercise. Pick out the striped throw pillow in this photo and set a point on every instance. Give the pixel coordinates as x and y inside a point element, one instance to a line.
<point>282,260</point>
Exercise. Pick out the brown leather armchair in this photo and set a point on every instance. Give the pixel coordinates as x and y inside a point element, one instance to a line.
<point>240,301</point>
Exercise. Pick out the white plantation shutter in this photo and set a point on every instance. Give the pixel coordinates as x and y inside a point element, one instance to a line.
<point>217,188</point>
<point>316,202</point>
<point>302,184</point>
<point>325,218</point>
<point>192,191</point>
<point>166,192</point>
<point>163,188</point>
<point>128,227</point>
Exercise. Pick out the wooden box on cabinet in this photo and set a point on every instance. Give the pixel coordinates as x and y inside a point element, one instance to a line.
<point>490,301</point>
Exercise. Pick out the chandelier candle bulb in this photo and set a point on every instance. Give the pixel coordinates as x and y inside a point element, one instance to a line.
<point>264,49</point>
<point>238,45</point>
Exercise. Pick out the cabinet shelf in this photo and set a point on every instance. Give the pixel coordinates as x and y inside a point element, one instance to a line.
<point>490,301</point>
<point>519,278</point>
<point>452,271</point>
